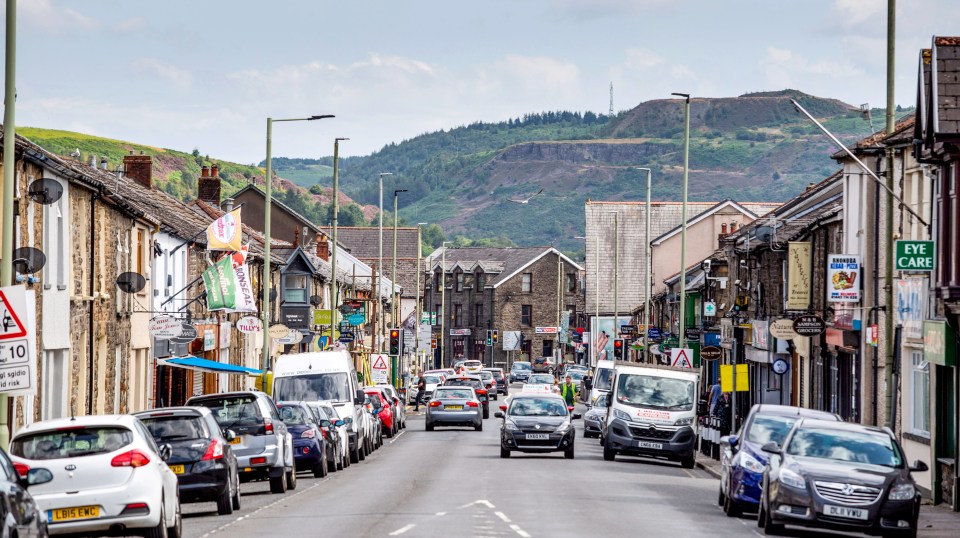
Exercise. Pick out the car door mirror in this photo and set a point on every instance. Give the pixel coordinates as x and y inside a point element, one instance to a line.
<point>35,477</point>
<point>325,423</point>
<point>702,407</point>
<point>919,467</point>
<point>229,435</point>
<point>576,416</point>
<point>729,440</point>
<point>498,414</point>
<point>348,420</point>
<point>166,451</point>
<point>359,397</point>
<point>339,423</point>
<point>771,447</point>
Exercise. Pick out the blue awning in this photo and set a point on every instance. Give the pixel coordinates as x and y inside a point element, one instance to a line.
<point>204,365</point>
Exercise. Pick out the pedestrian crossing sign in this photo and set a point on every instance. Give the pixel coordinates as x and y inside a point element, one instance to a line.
<point>379,363</point>
<point>680,357</point>
<point>10,324</point>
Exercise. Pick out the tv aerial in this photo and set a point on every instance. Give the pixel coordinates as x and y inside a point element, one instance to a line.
<point>130,282</point>
<point>28,260</point>
<point>45,191</point>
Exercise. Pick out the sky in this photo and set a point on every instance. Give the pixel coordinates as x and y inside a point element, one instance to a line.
<point>205,74</point>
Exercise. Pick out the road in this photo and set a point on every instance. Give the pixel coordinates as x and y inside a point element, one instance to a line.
<point>452,482</point>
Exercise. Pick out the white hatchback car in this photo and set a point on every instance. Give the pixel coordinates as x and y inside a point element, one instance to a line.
<point>108,476</point>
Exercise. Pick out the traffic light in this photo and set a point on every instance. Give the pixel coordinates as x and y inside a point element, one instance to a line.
<point>618,349</point>
<point>496,336</point>
<point>489,338</point>
<point>395,342</point>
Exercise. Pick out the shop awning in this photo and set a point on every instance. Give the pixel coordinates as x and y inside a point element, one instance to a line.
<point>204,365</point>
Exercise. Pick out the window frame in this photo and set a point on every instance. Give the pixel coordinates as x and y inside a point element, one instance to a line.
<point>287,288</point>
<point>919,377</point>
<point>526,315</point>
<point>457,315</point>
<point>571,283</point>
<point>526,283</point>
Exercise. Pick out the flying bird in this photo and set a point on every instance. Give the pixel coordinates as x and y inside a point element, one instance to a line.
<point>526,200</point>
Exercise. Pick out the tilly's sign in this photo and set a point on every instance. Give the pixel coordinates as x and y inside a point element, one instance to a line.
<point>914,255</point>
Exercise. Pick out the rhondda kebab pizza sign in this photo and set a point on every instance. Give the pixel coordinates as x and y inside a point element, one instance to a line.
<point>843,278</point>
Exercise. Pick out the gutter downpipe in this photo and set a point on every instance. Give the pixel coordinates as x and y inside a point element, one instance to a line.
<point>93,303</point>
<point>9,179</point>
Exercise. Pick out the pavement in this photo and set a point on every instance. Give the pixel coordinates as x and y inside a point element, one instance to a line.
<point>936,521</point>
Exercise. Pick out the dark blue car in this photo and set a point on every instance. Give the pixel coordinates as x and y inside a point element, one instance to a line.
<point>741,459</point>
<point>309,443</point>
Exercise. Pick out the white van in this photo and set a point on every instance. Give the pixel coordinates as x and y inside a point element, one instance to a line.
<point>652,411</point>
<point>320,376</point>
<point>602,380</point>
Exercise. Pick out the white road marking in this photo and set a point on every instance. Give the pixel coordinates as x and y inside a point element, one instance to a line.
<point>398,436</point>
<point>481,501</point>
<point>402,530</point>
<point>265,507</point>
<point>438,514</point>
<point>521,532</point>
<point>502,516</point>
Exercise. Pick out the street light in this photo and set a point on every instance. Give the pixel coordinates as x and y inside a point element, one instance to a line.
<point>394,308</point>
<point>443,295</point>
<point>647,280</point>
<point>381,315</point>
<point>268,195</point>
<point>417,309</point>
<point>333,219</point>
<point>683,228</point>
<point>616,273</point>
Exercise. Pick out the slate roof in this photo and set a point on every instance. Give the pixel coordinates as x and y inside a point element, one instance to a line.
<point>879,139</point>
<point>363,241</point>
<point>945,82</point>
<point>277,203</point>
<point>509,260</point>
<point>691,220</point>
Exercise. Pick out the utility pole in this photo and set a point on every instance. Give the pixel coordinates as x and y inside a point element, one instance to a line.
<point>646,275</point>
<point>9,178</point>
<point>683,227</point>
<point>382,323</point>
<point>888,270</point>
<point>333,249</point>
<point>394,296</point>
<point>417,309</point>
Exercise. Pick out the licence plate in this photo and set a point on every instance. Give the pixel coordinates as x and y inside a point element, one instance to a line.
<point>537,436</point>
<point>236,440</point>
<point>844,511</point>
<point>76,512</point>
<point>177,469</point>
<point>644,444</point>
<point>453,407</point>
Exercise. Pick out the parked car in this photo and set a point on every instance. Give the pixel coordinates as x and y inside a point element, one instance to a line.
<point>383,409</point>
<point>842,476</point>
<point>474,382</point>
<point>519,371</point>
<point>108,474</point>
<point>503,387</point>
<point>263,446</point>
<point>472,367</point>
<point>201,454</point>
<point>433,380</point>
<point>309,440</point>
<point>370,430</point>
<point>741,459</point>
<point>537,423</point>
<point>595,417</point>
<point>25,518</point>
<point>399,408</point>
<point>454,406</point>
<point>337,430</point>
<point>489,383</point>
<point>543,365</point>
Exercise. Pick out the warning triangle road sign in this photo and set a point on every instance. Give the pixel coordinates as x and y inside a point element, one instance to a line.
<point>681,357</point>
<point>10,324</point>
<point>379,363</point>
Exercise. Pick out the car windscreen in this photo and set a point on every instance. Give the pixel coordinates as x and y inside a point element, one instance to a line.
<point>651,392</point>
<point>520,366</point>
<point>600,401</point>
<point>538,407</point>
<point>844,445</point>
<point>293,415</point>
<point>71,442</point>
<point>233,410</point>
<point>458,394</point>
<point>334,386</point>
<point>431,379</point>
<point>475,383</point>
<point>486,376</point>
<point>766,428</point>
<point>575,375</point>
<point>544,379</point>
<point>174,428</point>
<point>604,379</point>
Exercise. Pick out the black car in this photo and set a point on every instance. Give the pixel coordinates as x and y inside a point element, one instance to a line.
<point>537,422</point>
<point>19,515</point>
<point>473,381</point>
<point>503,387</point>
<point>202,456</point>
<point>842,476</point>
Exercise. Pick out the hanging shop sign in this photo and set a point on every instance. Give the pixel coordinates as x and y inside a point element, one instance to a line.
<point>782,329</point>
<point>809,325</point>
<point>843,278</point>
<point>798,275</point>
<point>914,255</point>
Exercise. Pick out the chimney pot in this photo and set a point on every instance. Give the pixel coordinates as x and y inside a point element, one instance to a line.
<point>139,168</point>
<point>103,163</point>
<point>215,170</point>
<point>208,186</point>
<point>723,228</point>
<point>204,171</point>
<point>323,248</point>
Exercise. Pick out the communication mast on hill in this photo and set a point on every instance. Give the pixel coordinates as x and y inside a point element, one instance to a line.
<point>611,98</point>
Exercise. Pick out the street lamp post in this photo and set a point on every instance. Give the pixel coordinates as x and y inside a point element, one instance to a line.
<point>646,276</point>
<point>333,222</point>
<point>268,195</point>
<point>417,309</point>
<point>394,307</point>
<point>683,228</point>
<point>382,316</point>
<point>616,274</point>
<point>443,300</point>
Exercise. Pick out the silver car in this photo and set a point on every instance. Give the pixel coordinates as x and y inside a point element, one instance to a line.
<point>454,406</point>
<point>594,419</point>
<point>399,409</point>
<point>263,447</point>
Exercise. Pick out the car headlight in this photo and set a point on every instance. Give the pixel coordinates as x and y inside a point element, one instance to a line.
<point>683,421</point>
<point>563,427</point>
<point>902,492</point>
<point>792,479</point>
<point>751,464</point>
<point>621,415</point>
<point>510,426</point>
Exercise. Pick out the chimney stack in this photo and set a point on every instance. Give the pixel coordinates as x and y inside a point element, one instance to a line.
<point>733,226</point>
<point>208,186</point>
<point>139,168</point>
<point>93,161</point>
<point>323,248</point>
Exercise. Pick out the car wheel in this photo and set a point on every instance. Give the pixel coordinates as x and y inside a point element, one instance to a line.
<point>731,507</point>
<point>479,426</point>
<point>278,484</point>
<point>225,503</point>
<point>769,527</point>
<point>609,454</point>
<point>486,412</point>
<point>355,453</point>
<point>504,453</point>
<point>320,470</point>
<point>160,531</point>
<point>688,462</point>
<point>720,496</point>
<point>235,501</point>
<point>292,478</point>
<point>568,453</point>
<point>176,531</point>
<point>390,432</point>
<point>429,427</point>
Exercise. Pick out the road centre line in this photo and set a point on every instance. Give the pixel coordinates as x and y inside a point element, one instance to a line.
<point>502,516</point>
<point>402,530</point>
<point>521,532</point>
<point>398,436</point>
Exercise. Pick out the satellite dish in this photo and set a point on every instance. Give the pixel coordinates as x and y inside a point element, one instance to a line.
<point>45,191</point>
<point>765,234</point>
<point>315,301</point>
<point>131,282</point>
<point>28,260</point>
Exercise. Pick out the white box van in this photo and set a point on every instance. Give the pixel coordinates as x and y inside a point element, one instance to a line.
<point>652,411</point>
<point>319,376</point>
<point>602,380</point>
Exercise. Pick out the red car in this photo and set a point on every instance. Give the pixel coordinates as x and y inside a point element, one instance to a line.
<point>383,410</point>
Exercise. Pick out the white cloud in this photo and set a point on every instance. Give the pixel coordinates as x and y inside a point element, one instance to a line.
<point>850,13</point>
<point>44,15</point>
<point>786,69</point>
<point>642,59</point>
<point>597,9</point>
<point>180,78</point>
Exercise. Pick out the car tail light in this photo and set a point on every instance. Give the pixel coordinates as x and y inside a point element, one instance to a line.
<point>258,461</point>
<point>473,404</point>
<point>324,432</point>
<point>308,434</point>
<point>133,458</point>
<point>267,426</point>
<point>306,450</point>
<point>135,509</point>
<point>435,403</point>
<point>503,408</point>
<point>214,451</point>
<point>482,392</point>
<point>22,469</point>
